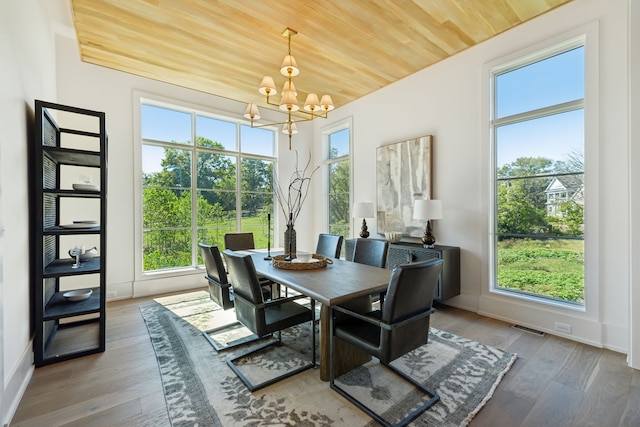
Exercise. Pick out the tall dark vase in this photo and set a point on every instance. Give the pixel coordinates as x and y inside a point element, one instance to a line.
<point>290,238</point>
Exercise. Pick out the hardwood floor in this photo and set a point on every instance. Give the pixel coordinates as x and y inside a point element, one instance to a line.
<point>554,382</point>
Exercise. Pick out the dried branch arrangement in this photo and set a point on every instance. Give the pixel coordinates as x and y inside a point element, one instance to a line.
<point>292,200</point>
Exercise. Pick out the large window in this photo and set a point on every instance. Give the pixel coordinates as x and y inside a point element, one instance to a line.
<point>202,177</point>
<point>538,136</point>
<point>338,168</point>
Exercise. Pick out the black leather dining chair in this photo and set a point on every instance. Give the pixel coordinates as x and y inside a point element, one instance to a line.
<point>244,241</point>
<point>262,317</point>
<point>371,252</point>
<point>239,241</point>
<point>400,326</point>
<point>219,286</point>
<point>329,245</point>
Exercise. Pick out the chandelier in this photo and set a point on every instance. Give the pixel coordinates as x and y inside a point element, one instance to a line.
<point>313,106</point>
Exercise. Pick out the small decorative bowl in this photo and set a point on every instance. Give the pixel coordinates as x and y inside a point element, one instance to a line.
<point>303,256</point>
<point>393,236</point>
<point>77,295</point>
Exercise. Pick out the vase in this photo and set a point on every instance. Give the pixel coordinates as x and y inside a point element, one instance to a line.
<point>290,240</point>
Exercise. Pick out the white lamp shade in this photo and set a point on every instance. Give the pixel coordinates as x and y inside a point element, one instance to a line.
<point>427,209</point>
<point>290,128</point>
<point>289,101</point>
<point>252,112</point>
<point>363,210</point>
<point>312,102</point>
<point>289,65</point>
<point>267,86</point>
<point>289,86</point>
<point>326,102</point>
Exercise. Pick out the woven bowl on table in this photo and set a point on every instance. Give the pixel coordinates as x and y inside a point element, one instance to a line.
<point>320,262</point>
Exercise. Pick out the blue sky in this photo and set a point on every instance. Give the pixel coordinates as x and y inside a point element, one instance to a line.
<point>169,125</point>
<point>549,82</point>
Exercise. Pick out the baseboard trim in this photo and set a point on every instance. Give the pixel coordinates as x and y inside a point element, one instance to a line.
<point>17,384</point>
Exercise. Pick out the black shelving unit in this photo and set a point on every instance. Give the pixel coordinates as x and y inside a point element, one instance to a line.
<point>64,329</point>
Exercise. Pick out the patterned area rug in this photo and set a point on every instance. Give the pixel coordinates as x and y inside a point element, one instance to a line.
<point>201,390</point>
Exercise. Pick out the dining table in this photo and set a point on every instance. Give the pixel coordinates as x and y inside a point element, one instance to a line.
<point>340,282</point>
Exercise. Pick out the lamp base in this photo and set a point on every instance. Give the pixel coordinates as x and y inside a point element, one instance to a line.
<point>364,230</point>
<point>428,240</point>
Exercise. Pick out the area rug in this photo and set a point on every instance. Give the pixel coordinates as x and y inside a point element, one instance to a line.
<point>201,390</point>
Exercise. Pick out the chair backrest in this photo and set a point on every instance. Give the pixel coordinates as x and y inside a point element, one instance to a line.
<point>329,245</point>
<point>239,241</point>
<point>247,291</point>
<point>219,287</point>
<point>213,263</point>
<point>409,296</point>
<point>371,252</point>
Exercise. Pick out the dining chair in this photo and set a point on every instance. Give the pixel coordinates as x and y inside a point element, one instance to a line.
<point>371,252</point>
<point>262,317</point>
<point>239,241</point>
<point>244,241</point>
<point>219,286</point>
<point>400,326</point>
<point>329,245</point>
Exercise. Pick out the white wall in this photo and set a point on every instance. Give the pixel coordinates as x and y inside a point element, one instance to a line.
<point>634,194</point>
<point>28,56</point>
<point>448,101</point>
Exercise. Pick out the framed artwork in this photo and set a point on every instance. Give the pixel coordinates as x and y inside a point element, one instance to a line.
<point>403,174</point>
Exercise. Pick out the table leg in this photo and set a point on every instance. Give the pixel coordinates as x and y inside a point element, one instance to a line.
<point>348,357</point>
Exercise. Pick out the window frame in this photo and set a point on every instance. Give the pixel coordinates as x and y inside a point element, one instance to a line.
<point>140,98</point>
<point>327,131</point>
<point>586,36</point>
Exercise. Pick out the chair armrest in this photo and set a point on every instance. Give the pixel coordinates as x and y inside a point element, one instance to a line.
<point>361,316</point>
<point>271,302</point>
<point>278,301</point>
<point>379,323</point>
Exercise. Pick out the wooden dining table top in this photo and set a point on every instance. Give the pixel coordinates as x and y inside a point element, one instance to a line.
<point>331,285</point>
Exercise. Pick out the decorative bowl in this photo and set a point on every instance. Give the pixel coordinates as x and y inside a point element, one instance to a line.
<point>77,295</point>
<point>303,256</point>
<point>393,236</point>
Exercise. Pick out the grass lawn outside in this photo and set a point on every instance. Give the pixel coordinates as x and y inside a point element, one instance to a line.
<point>549,267</point>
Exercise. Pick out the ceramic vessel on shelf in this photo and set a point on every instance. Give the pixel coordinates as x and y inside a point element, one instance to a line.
<point>77,295</point>
<point>84,254</point>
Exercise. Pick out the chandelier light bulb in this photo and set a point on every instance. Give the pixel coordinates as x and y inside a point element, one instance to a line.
<point>312,102</point>
<point>289,67</point>
<point>252,112</point>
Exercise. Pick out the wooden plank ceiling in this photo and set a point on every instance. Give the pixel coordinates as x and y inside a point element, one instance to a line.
<point>345,48</point>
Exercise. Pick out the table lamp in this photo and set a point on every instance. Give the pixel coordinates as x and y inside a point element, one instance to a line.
<point>363,210</point>
<point>429,210</point>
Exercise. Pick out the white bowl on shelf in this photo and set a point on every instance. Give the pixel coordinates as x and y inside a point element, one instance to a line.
<point>77,295</point>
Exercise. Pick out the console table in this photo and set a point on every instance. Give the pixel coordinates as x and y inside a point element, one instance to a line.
<point>406,252</point>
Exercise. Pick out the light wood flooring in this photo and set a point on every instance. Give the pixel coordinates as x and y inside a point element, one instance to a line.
<point>554,382</point>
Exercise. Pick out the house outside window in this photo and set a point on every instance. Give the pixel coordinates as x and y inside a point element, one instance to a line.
<point>538,139</point>
<point>338,179</point>
<point>202,176</point>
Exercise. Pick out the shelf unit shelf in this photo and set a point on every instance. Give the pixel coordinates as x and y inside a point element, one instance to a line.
<point>67,329</point>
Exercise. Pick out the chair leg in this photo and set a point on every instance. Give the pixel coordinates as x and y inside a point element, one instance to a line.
<point>253,387</point>
<point>433,397</point>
